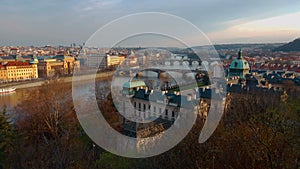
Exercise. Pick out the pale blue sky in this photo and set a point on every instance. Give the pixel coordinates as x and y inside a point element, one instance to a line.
<point>61,22</point>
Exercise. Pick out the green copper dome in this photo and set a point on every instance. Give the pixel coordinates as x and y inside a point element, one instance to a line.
<point>239,63</point>
<point>130,87</point>
<point>239,67</point>
<point>134,84</point>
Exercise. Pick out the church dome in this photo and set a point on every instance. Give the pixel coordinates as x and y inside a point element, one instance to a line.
<point>240,63</point>
<point>239,67</point>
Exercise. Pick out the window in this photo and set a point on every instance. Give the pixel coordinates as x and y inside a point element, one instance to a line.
<point>144,107</point>
<point>173,114</point>
<point>154,109</point>
<point>134,104</point>
<point>166,113</point>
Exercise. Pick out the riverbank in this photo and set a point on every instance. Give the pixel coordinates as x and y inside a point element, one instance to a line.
<point>35,83</point>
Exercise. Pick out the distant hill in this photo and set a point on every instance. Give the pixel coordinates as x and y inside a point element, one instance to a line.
<point>293,46</point>
<point>264,46</point>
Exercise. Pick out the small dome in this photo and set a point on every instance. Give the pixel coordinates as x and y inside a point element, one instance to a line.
<point>239,67</point>
<point>134,84</point>
<point>239,64</point>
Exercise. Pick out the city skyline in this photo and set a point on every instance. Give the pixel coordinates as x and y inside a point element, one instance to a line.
<point>62,23</point>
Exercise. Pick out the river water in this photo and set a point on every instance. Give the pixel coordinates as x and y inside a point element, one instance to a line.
<point>11,100</point>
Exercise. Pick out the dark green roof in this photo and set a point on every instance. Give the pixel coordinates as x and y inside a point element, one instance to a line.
<point>239,64</point>
<point>134,83</point>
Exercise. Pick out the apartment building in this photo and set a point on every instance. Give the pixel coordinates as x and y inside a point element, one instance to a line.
<point>16,70</point>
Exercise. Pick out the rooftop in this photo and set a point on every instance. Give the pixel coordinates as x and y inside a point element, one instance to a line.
<point>134,84</point>
<point>17,63</point>
<point>239,63</point>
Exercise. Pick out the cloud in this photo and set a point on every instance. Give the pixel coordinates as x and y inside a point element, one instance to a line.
<point>214,17</point>
<point>278,29</point>
<point>91,5</point>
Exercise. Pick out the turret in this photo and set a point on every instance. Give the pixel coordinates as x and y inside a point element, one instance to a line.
<point>240,54</point>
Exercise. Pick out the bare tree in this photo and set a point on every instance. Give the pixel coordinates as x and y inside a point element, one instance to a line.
<point>51,134</point>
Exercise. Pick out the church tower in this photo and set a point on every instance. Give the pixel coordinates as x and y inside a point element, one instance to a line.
<point>239,67</point>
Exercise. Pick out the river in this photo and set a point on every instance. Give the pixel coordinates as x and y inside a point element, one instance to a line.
<point>11,100</point>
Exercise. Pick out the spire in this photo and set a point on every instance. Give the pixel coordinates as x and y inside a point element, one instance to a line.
<point>240,54</point>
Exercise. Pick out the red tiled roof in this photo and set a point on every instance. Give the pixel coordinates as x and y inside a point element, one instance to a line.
<point>17,63</point>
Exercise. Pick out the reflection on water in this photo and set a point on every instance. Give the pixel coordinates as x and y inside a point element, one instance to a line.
<point>11,100</point>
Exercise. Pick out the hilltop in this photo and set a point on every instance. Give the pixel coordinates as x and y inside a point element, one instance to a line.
<point>293,46</point>
<point>263,46</point>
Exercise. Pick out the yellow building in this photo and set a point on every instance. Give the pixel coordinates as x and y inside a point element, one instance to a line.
<point>57,66</point>
<point>103,61</point>
<point>15,71</point>
<point>50,67</point>
<point>114,60</point>
<point>3,73</point>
